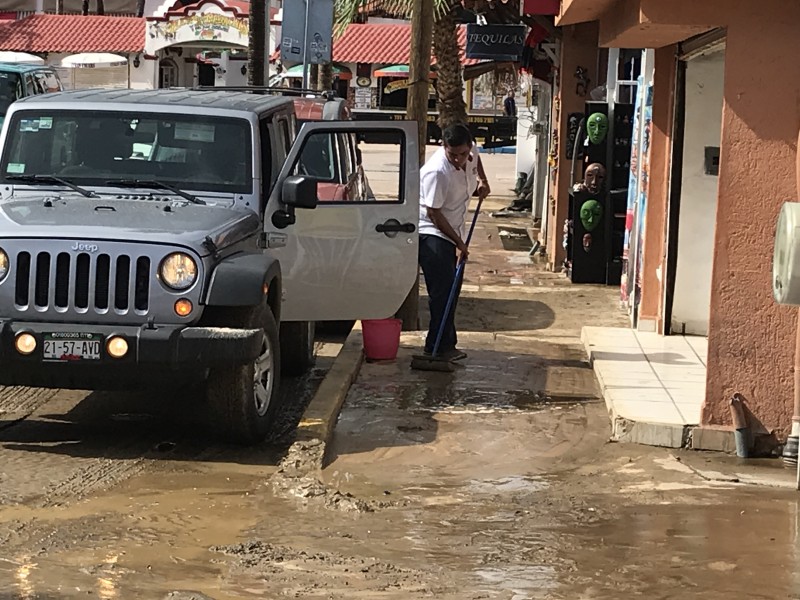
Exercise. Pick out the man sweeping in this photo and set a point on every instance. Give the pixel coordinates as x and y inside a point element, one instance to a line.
<point>447,181</point>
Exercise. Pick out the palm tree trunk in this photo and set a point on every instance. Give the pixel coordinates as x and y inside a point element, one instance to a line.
<point>256,43</point>
<point>419,69</point>
<point>419,73</point>
<point>140,8</point>
<point>325,77</point>
<point>101,7</point>
<point>59,7</point>
<point>85,7</point>
<point>450,82</point>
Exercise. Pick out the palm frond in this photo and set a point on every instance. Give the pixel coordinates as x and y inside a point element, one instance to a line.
<point>346,11</point>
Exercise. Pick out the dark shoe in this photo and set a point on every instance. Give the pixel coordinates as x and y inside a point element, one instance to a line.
<point>454,355</point>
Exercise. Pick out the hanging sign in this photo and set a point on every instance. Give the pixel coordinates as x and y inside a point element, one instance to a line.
<point>294,46</point>
<point>402,84</point>
<point>495,42</point>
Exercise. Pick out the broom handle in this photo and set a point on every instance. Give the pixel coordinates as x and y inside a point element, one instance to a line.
<point>456,280</point>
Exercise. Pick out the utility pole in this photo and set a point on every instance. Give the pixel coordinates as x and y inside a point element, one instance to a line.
<point>305,50</point>
<point>419,92</point>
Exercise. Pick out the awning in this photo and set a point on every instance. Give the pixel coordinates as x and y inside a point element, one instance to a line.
<point>94,60</point>
<point>400,71</point>
<point>339,71</point>
<point>20,57</point>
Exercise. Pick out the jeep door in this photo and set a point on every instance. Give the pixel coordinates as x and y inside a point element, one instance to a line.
<point>354,258</point>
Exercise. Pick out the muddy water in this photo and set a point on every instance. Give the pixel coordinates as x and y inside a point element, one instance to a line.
<point>493,482</point>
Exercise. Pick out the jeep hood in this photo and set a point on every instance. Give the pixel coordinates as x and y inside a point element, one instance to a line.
<point>148,221</point>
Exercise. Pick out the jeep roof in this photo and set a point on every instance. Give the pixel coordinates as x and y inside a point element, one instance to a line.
<point>203,99</point>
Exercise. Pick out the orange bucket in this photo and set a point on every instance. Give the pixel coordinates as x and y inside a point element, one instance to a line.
<point>381,338</point>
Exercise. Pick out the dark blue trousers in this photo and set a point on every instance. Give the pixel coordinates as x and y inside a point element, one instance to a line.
<point>437,257</point>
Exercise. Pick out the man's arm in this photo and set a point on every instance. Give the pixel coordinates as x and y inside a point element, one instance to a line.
<point>483,183</point>
<point>444,226</point>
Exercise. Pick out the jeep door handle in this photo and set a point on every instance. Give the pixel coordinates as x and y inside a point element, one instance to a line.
<point>393,226</point>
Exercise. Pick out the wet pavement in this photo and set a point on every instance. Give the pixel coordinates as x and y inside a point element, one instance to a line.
<point>496,481</point>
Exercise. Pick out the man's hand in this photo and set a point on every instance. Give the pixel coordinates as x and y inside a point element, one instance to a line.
<point>483,189</point>
<point>462,250</point>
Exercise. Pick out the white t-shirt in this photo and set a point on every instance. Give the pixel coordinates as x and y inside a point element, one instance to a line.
<point>449,189</point>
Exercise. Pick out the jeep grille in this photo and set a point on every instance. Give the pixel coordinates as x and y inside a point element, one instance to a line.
<point>82,282</point>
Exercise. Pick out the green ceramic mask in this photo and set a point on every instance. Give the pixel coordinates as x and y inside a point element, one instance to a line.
<point>597,127</point>
<point>591,213</point>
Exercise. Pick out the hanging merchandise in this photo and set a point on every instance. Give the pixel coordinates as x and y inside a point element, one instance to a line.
<point>630,288</point>
<point>597,127</point>
<point>529,61</point>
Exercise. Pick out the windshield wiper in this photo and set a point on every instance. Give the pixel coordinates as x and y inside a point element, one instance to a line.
<point>52,179</point>
<point>152,183</point>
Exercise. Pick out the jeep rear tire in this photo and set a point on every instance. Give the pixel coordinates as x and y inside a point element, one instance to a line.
<point>244,399</point>
<point>297,347</point>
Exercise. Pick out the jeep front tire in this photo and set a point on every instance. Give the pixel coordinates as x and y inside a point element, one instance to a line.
<point>244,399</point>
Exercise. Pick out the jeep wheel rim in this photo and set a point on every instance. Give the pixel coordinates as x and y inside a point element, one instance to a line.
<point>262,378</point>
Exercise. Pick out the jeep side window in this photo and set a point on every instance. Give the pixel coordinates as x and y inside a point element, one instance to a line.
<point>30,88</point>
<point>9,90</point>
<point>375,181</point>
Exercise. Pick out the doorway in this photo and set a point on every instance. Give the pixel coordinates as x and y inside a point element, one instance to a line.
<point>692,239</point>
<point>205,74</point>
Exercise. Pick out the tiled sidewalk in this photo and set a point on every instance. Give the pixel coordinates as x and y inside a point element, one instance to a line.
<point>648,378</point>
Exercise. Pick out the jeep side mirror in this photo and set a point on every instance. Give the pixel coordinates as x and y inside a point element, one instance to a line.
<point>299,192</point>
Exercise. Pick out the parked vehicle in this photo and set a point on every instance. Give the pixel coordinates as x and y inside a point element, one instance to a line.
<point>160,237</point>
<point>18,80</point>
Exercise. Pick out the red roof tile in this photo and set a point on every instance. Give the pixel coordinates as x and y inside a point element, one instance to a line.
<point>382,43</point>
<point>73,33</point>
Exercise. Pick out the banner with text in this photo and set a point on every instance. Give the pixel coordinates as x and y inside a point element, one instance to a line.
<point>495,42</point>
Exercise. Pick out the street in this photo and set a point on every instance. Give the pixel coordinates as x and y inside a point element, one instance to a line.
<point>493,482</point>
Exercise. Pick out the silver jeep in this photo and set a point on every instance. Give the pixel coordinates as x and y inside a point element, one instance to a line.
<point>158,238</point>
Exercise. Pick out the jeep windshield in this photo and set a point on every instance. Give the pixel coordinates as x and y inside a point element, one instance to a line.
<point>95,148</point>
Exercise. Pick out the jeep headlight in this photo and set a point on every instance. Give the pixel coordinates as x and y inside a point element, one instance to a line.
<point>178,271</point>
<point>3,264</point>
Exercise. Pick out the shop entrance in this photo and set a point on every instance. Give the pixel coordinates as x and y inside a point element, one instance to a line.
<point>693,206</point>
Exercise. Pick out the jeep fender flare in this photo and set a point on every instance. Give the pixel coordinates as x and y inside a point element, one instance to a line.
<point>240,280</point>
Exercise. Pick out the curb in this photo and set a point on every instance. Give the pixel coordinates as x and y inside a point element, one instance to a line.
<point>625,430</point>
<point>319,419</point>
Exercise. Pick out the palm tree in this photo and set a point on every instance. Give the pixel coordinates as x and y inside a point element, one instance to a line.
<point>140,8</point>
<point>256,44</point>
<point>450,82</point>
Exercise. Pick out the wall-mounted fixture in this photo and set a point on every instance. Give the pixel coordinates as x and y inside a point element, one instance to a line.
<point>136,62</point>
<point>244,69</point>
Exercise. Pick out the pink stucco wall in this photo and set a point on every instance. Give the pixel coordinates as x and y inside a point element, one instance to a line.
<point>751,339</point>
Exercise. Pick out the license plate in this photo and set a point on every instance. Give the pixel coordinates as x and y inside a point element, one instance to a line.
<point>72,346</point>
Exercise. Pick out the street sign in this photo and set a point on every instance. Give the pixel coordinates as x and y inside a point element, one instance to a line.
<point>320,32</point>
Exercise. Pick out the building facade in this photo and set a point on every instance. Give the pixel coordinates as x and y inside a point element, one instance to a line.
<point>724,113</point>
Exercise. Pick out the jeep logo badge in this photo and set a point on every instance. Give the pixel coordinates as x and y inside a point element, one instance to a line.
<point>81,247</point>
